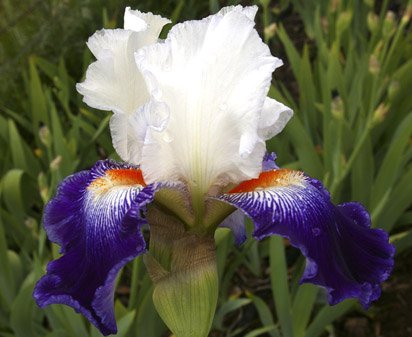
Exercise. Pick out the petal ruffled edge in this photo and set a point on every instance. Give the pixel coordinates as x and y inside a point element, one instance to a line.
<point>114,83</point>
<point>344,254</point>
<point>194,57</point>
<point>139,21</point>
<point>96,217</point>
<point>274,118</point>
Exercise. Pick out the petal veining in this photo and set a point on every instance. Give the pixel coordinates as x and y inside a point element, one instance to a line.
<point>343,253</point>
<point>96,219</point>
<point>113,82</point>
<point>213,75</point>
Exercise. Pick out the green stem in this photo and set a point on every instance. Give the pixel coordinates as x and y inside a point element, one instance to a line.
<point>183,268</point>
<point>198,202</point>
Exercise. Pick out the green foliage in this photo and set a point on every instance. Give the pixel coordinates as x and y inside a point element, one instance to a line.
<point>349,87</point>
<point>352,127</point>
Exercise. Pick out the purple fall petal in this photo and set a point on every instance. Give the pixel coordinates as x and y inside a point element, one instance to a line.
<point>95,218</point>
<point>343,253</point>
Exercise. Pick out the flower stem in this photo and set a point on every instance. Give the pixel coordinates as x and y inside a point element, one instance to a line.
<point>182,266</point>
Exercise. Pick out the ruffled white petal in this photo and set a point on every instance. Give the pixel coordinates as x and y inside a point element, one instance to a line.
<point>134,20</point>
<point>125,140</point>
<point>249,11</point>
<point>115,83</point>
<point>274,118</point>
<point>138,21</point>
<point>214,76</point>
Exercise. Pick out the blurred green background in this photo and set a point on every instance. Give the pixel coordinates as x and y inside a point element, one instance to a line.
<point>347,76</point>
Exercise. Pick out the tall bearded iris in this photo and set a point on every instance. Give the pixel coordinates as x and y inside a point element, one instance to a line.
<point>190,119</point>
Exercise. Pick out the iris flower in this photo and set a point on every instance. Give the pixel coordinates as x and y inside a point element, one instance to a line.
<point>190,120</point>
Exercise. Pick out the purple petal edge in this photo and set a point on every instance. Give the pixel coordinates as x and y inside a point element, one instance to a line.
<point>98,233</point>
<point>344,254</point>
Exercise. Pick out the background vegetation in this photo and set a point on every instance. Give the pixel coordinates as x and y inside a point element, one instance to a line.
<point>347,76</point>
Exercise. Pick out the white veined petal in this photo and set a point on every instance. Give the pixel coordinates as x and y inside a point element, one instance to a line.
<point>129,131</point>
<point>126,140</point>
<point>134,20</point>
<point>107,40</point>
<point>113,82</point>
<point>274,118</point>
<point>249,11</point>
<point>214,76</point>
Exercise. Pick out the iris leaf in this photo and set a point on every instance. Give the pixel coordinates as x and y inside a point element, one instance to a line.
<point>390,167</point>
<point>38,103</point>
<point>326,316</point>
<point>228,307</point>
<point>302,307</point>
<point>280,288</point>
<point>265,315</point>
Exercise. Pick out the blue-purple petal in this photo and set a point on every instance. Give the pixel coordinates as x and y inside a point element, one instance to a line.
<point>269,162</point>
<point>96,219</point>
<point>236,223</point>
<point>344,254</point>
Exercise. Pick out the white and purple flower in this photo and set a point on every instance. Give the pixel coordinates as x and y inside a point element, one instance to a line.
<point>191,116</point>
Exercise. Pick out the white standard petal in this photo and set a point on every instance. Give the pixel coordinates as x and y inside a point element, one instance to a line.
<point>113,82</point>
<point>214,76</point>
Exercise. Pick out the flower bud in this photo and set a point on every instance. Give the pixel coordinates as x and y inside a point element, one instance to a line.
<point>324,23</point>
<point>389,24</point>
<point>270,31</point>
<point>380,114</point>
<point>344,20</point>
<point>407,16</point>
<point>55,163</point>
<point>43,187</point>
<point>373,22</point>
<point>374,65</point>
<point>30,223</point>
<point>337,108</point>
<point>45,136</point>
